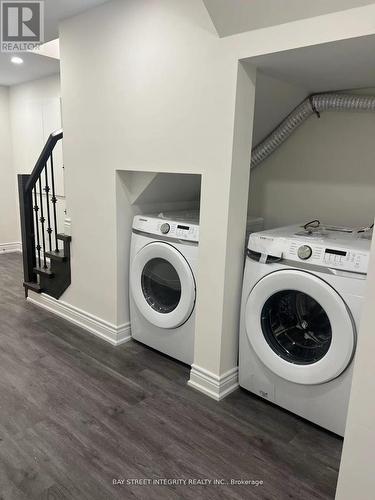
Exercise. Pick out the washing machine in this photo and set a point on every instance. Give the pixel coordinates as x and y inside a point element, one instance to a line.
<point>300,311</point>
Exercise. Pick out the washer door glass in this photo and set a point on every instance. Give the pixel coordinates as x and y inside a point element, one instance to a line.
<point>299,327</point>
<point>161,285</point>
<point>296,327</point>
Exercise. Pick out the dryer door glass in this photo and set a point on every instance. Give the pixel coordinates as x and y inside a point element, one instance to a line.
<point>161,285</point>
<point>296,327</point>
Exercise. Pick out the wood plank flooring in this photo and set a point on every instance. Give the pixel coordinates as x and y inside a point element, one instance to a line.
<point>76,413</point>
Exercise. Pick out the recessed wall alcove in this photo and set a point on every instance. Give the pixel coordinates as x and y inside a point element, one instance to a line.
<point>147,193</point>
<point>325,170</point>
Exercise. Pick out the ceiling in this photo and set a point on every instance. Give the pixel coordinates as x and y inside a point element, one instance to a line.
<point>236,16</point>
<point>351,62</point>
<point>57,10</point>
<point>33,68</point>
<point>346,64</point>
<point>36,66</point>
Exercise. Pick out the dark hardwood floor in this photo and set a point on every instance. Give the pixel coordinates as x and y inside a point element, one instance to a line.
<point>76,413</point>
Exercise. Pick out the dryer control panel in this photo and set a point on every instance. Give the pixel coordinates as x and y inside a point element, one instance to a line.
<point>332,257</point>
<point>157,226</point>
<point>335,249</point>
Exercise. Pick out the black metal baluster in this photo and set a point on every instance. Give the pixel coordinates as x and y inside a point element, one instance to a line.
<point>54,200</point>
<point>36,210</point>
<point>46,190</point>
<point>42,220</point>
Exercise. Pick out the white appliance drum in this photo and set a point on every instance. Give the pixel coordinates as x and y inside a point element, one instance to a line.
<point>162,285</point>
<point>300,327</point>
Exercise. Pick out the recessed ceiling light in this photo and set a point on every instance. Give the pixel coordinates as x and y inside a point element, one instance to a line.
<point>17,60</point>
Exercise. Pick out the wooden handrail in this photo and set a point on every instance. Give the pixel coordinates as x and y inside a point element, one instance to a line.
<point>43,158</point>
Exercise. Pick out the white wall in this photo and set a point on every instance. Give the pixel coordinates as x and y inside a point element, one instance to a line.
<point>274,100</point>
<point>8,200</point>
<point>28,114</point>
<point>324,171</point>
<point>356,477</point>
<point>158,107</point>
<point>35,112</point>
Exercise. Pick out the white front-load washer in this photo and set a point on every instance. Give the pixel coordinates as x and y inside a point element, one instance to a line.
<point>300,311</point>
<point>163,265</point>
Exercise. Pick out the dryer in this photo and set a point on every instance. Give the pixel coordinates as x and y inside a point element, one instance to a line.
<point>163,264</point>
<point>300,312</point>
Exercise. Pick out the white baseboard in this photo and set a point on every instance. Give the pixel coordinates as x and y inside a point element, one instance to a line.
<point>214,386</point>
<point>10,247</point>
<point>115,335</point>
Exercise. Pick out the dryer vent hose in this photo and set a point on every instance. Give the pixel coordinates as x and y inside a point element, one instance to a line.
<point>316,103</point>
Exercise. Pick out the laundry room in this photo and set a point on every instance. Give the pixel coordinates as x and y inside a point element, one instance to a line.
<point>191,315</point>
<point>312,172</point>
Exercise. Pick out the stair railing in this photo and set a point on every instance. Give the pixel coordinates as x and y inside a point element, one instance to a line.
<point>39,219</point>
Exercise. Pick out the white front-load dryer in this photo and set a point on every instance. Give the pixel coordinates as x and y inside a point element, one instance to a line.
<point>163,265</point>
<point>300,311</point>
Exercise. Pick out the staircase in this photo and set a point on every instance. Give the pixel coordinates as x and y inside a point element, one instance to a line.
<point>46,252</point>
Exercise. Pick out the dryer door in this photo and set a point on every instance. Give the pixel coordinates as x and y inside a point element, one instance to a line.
<point>162,285</point>
<point>300,327</point>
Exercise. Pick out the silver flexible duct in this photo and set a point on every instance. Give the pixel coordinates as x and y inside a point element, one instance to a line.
<point>316,103</point>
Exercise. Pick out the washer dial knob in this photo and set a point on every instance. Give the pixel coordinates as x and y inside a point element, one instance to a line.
<point>304,252</point>
<point>165,228</point>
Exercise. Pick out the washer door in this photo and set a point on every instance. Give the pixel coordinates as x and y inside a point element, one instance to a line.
<point>162,285</point>
<point>300,327</point>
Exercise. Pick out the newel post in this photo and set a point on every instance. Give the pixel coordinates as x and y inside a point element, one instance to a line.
<point>27,229</point>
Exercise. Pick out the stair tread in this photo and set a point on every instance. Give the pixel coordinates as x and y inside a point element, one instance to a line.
<point>45,271</point>
<point>60,255</point>
<point>64,237</point>
<point>35,287</point>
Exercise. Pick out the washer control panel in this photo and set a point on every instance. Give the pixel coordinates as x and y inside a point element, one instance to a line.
<point>158,226</point>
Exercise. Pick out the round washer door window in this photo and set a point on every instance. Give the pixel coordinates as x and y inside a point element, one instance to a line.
<point>296,327</point>
<point>162,285</point>
<point>300,327</point>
